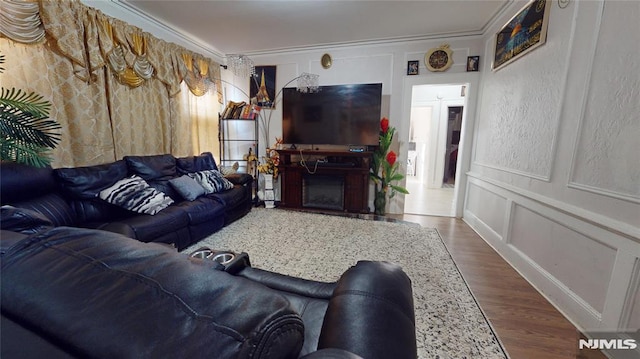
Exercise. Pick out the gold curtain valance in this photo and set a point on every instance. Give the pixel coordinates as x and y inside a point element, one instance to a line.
<point>92,40</point>
<point>200,74</point>
<point>20,21</point>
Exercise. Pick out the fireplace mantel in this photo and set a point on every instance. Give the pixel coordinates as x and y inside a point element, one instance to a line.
<point>352,168</point>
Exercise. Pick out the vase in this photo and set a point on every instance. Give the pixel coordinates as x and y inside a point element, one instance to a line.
<point>380,203</point>
<point>268,192</point>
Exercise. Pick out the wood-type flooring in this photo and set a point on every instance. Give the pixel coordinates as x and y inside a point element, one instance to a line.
<point>528,326</point>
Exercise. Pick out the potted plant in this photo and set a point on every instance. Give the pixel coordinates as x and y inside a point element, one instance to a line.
<point>26,133</point>
<point>384,169</point>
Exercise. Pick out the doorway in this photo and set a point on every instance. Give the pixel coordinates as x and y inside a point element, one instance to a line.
<point>435,130</point>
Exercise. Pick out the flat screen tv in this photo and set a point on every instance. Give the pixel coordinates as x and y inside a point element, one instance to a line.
<point>336,115</point>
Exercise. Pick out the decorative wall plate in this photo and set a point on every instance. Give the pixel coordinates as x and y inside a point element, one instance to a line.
<point>326,61</point>
<point>439,58</point>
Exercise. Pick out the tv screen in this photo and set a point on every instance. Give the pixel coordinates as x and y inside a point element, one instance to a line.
<point>336,115</point>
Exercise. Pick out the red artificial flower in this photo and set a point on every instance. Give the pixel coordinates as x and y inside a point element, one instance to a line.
<point>391,157</point>
<point>384,124</point>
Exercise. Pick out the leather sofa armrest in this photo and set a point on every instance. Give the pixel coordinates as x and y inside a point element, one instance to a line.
<point>285,283</point>
<point>371,313</point>
<point>239,178</point>
<point>331,354</point>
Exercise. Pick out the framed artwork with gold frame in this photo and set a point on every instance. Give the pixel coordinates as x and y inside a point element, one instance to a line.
<point>523,33</point>
<point>439,58</point>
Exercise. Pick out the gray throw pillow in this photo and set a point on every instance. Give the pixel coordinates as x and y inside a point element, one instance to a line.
<point>188,188</point>
<point>134,194</point>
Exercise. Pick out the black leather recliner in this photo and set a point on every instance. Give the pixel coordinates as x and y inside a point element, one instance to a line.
<point>71,292</point>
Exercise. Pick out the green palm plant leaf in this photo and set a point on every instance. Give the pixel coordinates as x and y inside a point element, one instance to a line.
<point>21,101</point>
<point>26,132</point>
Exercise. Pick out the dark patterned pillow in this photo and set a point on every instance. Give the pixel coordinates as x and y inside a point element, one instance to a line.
<point>134,194</point>
<point>188,188</point>
<point>212,181</point>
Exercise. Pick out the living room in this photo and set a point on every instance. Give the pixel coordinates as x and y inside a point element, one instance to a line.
<point>547,174</point>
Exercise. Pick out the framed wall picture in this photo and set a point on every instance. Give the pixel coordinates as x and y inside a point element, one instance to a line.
<point>413,67</point>
<point>473,63</point>
<point>526,31</point>
<point>263,87</point>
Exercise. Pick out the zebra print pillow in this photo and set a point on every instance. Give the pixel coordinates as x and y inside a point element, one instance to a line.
<point>213,181</point>
<point>134,194</point>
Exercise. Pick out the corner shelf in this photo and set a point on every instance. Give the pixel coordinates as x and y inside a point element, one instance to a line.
<point>235,137</point>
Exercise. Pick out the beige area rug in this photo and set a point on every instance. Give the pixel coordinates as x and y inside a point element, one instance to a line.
<point>449,323</point>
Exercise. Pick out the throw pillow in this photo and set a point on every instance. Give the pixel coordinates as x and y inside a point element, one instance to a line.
<point>188,188</point>
<point>212,181</point>
<point>134,194</point>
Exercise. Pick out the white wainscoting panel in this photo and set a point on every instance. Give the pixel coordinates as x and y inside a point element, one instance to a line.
<point>584,265</point>
<point>588,271</point>
<point>631,316</point>
<point>488,207</point>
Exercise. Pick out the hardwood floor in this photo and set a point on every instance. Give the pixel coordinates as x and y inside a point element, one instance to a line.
<point>525,322</point>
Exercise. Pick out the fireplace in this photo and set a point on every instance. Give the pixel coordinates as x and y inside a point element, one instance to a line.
<point>325,192</point>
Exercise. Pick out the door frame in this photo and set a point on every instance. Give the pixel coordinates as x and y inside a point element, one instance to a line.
<point>472,81</point>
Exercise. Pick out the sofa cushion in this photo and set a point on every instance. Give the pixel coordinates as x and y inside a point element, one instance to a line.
<point>203,209</point>
<point>212,181</point>
<point>188,188</point>
<point>15,187</point>
<point>134,194</point>
<point>232,197</point>
<point>190,164</point>
<point>81,186</point>
<point>87,182</point>
<point>152,168</point>
<point>23,220</point>
<point>53,206</point>
<point>147,228</point>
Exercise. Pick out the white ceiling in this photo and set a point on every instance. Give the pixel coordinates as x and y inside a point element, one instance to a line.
<point>250,27</point>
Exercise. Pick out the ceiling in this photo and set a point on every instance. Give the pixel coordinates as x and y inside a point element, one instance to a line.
<point>251,27</point>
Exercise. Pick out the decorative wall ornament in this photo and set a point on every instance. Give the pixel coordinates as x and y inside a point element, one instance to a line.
<point>563,3</point>
<point>326,61</point>
<point>524,32</point>
<point>439,58</point>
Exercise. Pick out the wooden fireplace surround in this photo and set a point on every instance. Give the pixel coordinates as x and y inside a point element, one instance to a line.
<point>352,167</point>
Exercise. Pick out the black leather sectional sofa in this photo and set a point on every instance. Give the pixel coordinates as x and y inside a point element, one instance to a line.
<point>82,293</point>
<point>75,285</point>
<point>70,197</point>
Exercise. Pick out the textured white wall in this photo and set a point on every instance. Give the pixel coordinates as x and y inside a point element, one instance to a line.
<point>556,164</point>
<point>520,105</point>
<point>610,123</point>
